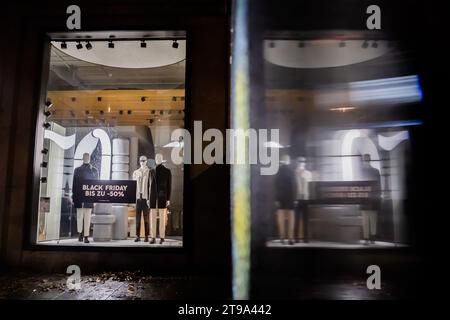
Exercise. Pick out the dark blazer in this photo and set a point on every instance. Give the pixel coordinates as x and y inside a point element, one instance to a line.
<point>84,172</point>
<point>160,187</point>
<point>285,187</point>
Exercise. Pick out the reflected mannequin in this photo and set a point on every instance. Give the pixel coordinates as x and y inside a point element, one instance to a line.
<point>159,198</point>
<point>143,178</point>
<point>284,200</point>
<point>84,210</point>
<point>370,210</point>
<point>303,178</point>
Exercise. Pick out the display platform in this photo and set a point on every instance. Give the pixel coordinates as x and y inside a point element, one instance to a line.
<point>168,243</point>
<point>334,245</point>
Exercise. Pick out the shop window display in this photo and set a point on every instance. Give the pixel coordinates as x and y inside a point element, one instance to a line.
<point>106,175</point>
<point>347,113</point>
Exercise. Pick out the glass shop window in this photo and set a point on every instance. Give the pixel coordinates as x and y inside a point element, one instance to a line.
<point>346,111</point>
<point>106,173</point>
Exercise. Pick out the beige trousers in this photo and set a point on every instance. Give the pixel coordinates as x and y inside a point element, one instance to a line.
<point>369,223</point>
<point>162,215</point>
<point>282,216</point>
<point>84,216</point>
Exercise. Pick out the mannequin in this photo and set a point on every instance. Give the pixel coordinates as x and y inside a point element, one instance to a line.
<point>84,210</point>
<point>159,198</point>
<point>369,210</point>
<point>142,176</point>
<point>303,178</point>
<point>284,199</point>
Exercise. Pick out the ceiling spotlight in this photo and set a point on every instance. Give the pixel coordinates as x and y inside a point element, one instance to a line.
<point>341,44</point>
<point>110,44</point>
<point>47,113</point>
<point>120,111</point>
<point>44,180</point>
<point>63,45</point>
<point>153,112</point>
<point>151,120</point>
<point>79,45</point>
<point>374,44</point>
<point>73,99</point>
<point>44,165</point>
<point>365,44</point>
<point>48,104</point>
<point>99,99</point>
<point>129,111</point>
<point>47,125</point>
<point>88,45</point>
<point>143,99</point>
<point>179,111</point>
<point>143,44</point>
<point>44,151</point>
<point>86,112</point>
<point>102,112</point>
<point>175,44</point>
<point>174,98</point>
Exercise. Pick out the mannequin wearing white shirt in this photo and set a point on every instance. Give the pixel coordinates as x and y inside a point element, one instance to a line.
<point>142,176</point>
<point>303,178</point>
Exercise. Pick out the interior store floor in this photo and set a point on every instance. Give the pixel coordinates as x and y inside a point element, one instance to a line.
<point>168,242</point>
<point>333,245</point>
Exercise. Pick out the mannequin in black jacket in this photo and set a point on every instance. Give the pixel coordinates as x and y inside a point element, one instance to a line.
<point>284,199</point>
<point>159,198</point>
<point>84,210</point>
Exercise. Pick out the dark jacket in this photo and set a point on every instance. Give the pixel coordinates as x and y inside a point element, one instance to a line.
<point>160,187</point>
<point>84,172</point>
<point>374,201</point>
<point>285,187</point>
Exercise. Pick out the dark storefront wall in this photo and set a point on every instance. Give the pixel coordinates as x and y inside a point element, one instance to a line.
<point>207,232</point>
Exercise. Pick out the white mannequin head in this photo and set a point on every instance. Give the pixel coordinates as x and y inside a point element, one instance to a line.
<point>285,159</point>
<point>158,159</point>
<point>301,162</point>
<point>143,161</point>
<point>86,158</point>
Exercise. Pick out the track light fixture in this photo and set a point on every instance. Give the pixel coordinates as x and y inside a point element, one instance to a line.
<point>44,151</point>
<point>44,180</point>
<point>79,45</point>
<point>47,125</point>
<point>143,44</point>
<point>48,104</point>
<point>374,44</point>
<point>143,99</point>
<point>47,113</point>
<point>175,44</point>
<point>111,44</point>
<point>365,44</point>
<point>120,111</point>
<point>88,45</point>
<point>174,98</point>
<point>129,112</point>
<point>44,164</point>
<point>102,112</point>
<point>99,99</point>
<point>63,45</point>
